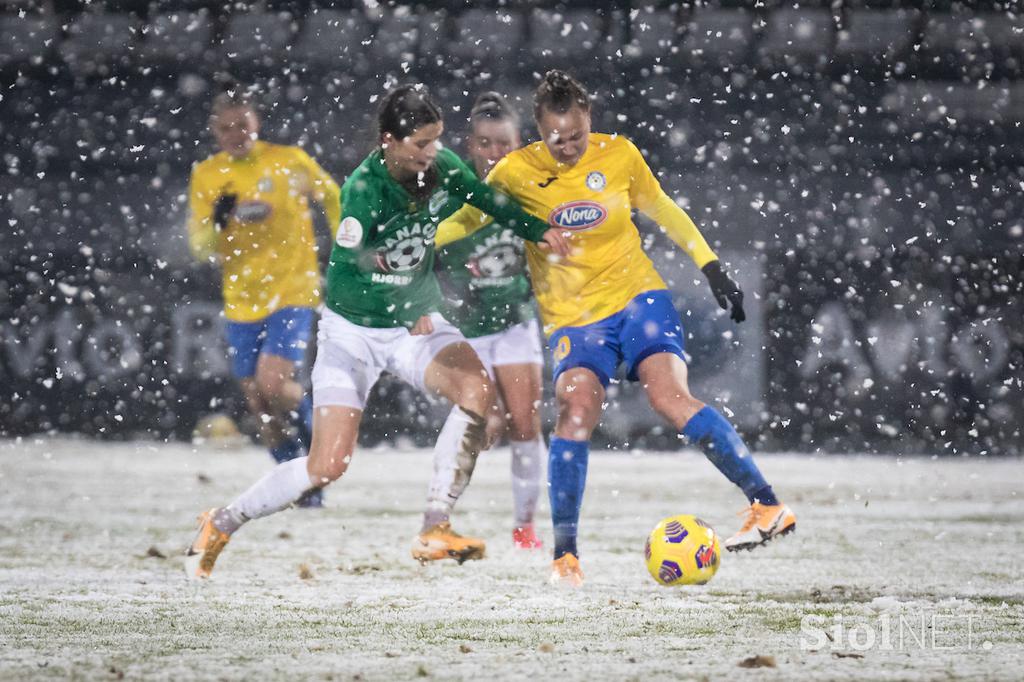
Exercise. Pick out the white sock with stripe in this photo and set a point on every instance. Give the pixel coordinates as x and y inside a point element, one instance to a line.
<point>526,459</point>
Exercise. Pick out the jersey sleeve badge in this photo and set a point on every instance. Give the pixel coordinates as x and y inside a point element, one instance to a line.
<point>350,233</point>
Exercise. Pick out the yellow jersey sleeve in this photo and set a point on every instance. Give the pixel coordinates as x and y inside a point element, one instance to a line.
<point>202,235</point>
<point>650,199</point>
<point>469,218</point>
<point>323,189</point>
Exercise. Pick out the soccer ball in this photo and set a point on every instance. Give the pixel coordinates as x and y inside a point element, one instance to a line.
<point>682,550</point>
<point>219,430</point>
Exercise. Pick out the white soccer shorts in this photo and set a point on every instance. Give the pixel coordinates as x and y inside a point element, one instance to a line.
<point>350,357</point>
<point>517,345</point>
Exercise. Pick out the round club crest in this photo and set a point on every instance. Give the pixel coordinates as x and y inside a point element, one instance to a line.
<point>596,181</point>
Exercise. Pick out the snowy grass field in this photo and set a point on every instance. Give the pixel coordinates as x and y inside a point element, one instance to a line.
<point>922,558</point>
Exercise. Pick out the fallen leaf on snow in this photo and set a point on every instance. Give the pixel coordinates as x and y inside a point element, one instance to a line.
<point>155,553</point>
<point>758,661</point>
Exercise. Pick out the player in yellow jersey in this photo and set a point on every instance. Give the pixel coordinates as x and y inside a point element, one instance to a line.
<point>249,210</point>
<point>605,305</point>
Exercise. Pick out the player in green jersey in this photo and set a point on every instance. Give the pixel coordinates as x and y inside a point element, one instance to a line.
<point>489,300</point>
<point>382,315</point>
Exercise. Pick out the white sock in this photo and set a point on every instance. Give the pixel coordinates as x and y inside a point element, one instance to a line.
<point>458,444</point>
<point>526,456</point>
<point>282,485</point>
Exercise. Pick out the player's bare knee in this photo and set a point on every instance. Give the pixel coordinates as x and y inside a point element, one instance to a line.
<point>675,407</point>
<point>327,465</point>
<point>271,387</point>
<point>523,427</point>
<point>577,416</point>
<point>475,394</point>
<point>495,428</point>
<point>665,404</point>
<point>253,401</point>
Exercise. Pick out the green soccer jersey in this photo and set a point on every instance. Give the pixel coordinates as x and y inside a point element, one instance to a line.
<point>381,272</point>
<point>484,281</point>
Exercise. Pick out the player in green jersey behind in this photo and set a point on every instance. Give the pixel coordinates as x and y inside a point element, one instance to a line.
<point>490,301</point>
<point>381,315</point>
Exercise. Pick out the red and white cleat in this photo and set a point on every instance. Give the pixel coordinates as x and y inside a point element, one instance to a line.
<point>525,537</point>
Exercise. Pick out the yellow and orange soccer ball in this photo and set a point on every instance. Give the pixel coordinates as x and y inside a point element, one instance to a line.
<point>682,550</point>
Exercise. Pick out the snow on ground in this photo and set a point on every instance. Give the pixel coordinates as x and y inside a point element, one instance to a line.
<point>918,560</point>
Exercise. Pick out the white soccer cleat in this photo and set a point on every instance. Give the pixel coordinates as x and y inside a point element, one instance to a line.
<point>763,523</point>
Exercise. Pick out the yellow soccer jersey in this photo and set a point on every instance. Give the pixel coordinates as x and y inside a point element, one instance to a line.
<point>267,250</point>
<point>593,202</point>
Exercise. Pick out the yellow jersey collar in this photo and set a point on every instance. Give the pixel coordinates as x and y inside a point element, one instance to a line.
<point>257,151</point>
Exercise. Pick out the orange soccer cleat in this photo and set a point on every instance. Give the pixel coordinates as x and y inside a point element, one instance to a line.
<point>205,548</point>
<point>566,571</point>
<point>441,542</point>
<point>763,523</point>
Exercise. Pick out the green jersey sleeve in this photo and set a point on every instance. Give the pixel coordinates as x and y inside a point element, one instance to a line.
<point>360,211</point>
<point>503,208</point>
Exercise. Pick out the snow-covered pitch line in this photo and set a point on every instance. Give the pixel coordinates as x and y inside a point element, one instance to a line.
<point>900,569</point>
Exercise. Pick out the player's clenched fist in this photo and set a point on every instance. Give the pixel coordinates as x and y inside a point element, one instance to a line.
<point>725,290</point>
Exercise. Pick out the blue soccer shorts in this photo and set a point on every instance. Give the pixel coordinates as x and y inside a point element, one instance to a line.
<point>648,324</point>
<point>284,333</point>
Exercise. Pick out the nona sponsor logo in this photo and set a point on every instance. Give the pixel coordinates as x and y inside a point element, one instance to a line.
<point>578,215</point>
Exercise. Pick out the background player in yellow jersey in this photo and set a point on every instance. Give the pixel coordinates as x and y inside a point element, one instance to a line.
<point>249,209</point>
<point>605,304</point>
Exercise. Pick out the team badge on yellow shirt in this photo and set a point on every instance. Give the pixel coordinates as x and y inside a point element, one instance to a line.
<point>562,349</point>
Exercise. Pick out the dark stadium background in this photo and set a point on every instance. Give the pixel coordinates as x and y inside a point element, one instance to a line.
<point>858,163</point>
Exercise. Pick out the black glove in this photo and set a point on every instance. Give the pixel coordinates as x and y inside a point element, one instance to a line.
<point>725,290</point>
<point>222,210</point>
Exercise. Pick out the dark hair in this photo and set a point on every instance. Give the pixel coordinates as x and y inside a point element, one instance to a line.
<point>405,109</point>
<point>490,106</point>
<point>559,92</point>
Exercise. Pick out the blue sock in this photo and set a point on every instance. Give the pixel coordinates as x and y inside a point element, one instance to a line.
<point>286,450</point>
<point>304,421</point>
<point>567,477</point>
<point>723,446</point>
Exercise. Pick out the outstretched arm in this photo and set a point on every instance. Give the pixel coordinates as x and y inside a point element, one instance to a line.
<point>460,225</point>
<point>648,196</point>
<point>679,227</point>
<point>505,210</point>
